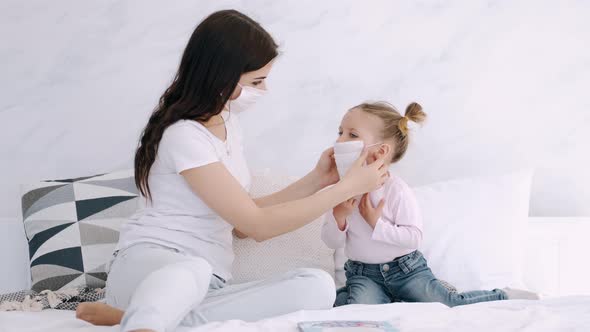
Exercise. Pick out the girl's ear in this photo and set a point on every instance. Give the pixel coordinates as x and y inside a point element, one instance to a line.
<point>384,149</point>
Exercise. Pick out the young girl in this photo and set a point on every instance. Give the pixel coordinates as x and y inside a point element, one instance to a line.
<point>382,231</point>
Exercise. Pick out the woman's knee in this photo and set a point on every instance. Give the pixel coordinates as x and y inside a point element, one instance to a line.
<point>195,270</point>
<point>317,290</point>
<point>196,265</point>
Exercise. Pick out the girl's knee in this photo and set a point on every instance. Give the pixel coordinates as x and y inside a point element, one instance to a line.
<point>363,290</point>
<point>342,296</point>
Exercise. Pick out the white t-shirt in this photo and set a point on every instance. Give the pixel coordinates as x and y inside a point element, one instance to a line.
<point>176,217</point>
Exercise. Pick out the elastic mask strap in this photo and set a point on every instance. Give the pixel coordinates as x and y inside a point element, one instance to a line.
<point>368,146</point>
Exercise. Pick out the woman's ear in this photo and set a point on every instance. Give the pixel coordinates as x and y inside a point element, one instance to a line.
<point>236,93</point>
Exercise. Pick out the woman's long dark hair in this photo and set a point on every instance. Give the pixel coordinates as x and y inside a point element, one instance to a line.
<point>222,47</point>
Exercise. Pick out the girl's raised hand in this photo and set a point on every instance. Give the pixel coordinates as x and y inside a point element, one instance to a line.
<point>342,211</point>
<point>371,213</point>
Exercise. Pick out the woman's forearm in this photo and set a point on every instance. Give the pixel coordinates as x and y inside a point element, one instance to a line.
<point>286,217</point>
<point>306,186</point>
<point>221,192</point>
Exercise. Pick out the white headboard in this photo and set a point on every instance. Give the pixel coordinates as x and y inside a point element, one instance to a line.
<point>556,251</point>
<point>556,256</point>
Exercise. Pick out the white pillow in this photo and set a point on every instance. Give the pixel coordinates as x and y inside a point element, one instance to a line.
<point>298,249</point>
<point>473,230</point>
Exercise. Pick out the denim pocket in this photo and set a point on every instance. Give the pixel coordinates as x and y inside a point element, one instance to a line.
<point>347,272</point>
<point>351,269</point>
<point>411,262</point>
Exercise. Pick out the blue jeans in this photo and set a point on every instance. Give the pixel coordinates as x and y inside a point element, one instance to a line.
<point>405,279</point>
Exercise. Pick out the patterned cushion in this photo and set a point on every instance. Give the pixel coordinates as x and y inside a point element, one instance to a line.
<point>301,248</point>
<point>73,226</point>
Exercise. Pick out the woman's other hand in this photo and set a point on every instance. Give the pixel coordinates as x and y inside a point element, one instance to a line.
<point>362,178</point>
<point>239,234</point>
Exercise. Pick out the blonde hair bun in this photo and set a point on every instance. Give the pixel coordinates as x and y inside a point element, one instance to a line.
<point>413,113</point>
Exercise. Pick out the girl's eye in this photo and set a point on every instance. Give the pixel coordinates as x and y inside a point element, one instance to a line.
<point>353,135</point>
<point>339,133</point>
<point>256,83</point>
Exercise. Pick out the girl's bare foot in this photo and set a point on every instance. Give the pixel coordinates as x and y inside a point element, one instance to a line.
<point>520,294</point>
<point>99,313</point>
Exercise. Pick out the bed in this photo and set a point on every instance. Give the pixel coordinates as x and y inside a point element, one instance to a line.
<point>554,251</point>
<point>555,314</point>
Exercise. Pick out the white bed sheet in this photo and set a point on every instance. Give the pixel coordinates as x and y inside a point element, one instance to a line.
<point>557,314</point>
<point>46,321</point>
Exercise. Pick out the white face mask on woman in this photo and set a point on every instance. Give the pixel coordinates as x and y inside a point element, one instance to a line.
<point>346,153</point>
<point>247,98</point>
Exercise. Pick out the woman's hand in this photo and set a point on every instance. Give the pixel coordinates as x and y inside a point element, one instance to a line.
<point>342,211</point>
<point>363,179</point>
<point>370,213</point>
<point>325,169</point>
<point>239,234</point>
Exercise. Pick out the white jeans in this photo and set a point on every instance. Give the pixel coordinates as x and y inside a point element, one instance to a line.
<point>160,288</point>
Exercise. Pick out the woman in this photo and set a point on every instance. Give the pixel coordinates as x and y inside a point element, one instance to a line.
<point>174,257</point>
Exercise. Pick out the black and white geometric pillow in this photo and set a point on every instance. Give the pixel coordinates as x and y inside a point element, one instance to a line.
<point>73,226</point>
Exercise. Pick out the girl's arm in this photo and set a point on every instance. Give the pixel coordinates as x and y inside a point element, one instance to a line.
<point>332,235</point>
<point>223,194</point>
<point>404,236</point>
<point>323,175</point>
<point>406,232</point>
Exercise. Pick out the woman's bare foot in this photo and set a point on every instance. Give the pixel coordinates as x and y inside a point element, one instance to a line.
<point>99,313</point>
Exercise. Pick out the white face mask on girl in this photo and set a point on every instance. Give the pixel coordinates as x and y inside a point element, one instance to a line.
<point>247,98</point>
<point>346,153</point>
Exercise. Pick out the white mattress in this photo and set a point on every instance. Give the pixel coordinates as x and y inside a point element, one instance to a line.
<point>557,314</point>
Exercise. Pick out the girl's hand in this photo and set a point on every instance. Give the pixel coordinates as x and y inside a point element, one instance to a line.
<point>325,169</point>
<point>342,211</point>
<point>363,179</point>
<point>369,212</point>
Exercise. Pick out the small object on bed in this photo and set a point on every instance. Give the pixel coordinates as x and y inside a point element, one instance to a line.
<point>346,325</point>
<point>65,299</point>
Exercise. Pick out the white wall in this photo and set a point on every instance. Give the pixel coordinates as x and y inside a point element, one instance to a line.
<point>504,82</point>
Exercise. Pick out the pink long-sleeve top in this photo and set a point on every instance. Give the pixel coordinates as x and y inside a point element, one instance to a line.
<point>398,231</point>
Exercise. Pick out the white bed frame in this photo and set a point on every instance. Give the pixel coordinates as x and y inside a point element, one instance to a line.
<point>556,256</point>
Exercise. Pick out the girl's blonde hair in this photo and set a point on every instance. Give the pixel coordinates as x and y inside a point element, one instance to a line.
<point>395,125</point>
